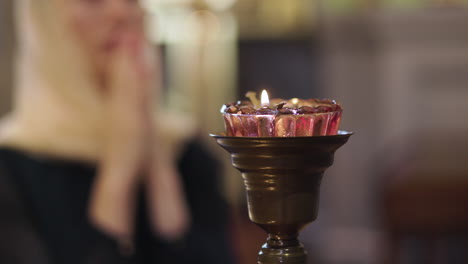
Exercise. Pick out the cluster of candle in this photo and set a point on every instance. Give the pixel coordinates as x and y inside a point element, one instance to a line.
<point>281,118</point>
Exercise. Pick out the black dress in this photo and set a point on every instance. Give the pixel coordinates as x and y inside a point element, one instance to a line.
<point>43,215</point>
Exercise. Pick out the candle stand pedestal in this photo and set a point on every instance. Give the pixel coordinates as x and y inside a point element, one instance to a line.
<point>282,178</point>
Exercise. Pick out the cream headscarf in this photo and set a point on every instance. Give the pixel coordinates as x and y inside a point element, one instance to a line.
<point>58,111</point>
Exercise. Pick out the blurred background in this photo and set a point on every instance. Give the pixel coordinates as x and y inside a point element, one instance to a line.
<point>398,192</point>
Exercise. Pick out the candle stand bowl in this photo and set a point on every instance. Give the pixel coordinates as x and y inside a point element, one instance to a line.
<point>282,178</point>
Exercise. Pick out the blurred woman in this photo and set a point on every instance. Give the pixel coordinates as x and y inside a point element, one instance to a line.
<point>90,170</point>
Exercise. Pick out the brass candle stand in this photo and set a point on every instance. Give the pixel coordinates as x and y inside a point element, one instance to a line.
<point>282,178</point>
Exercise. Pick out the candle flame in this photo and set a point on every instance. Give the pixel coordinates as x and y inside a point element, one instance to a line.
<point>295,101</point>
<point>265,99</point>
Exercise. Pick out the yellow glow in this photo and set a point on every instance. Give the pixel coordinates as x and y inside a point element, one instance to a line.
<point>295,101</point>
<point>265,99</point>
<point>220,5</point>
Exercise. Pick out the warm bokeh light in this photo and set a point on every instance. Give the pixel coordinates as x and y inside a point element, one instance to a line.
<point>220,5</point>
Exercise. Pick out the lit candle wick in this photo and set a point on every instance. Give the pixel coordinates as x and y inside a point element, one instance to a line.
<point>264,99</point>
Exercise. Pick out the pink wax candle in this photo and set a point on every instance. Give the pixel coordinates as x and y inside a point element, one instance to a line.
<point>281,118</point>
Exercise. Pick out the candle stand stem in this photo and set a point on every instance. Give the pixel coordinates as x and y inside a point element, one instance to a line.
<point>282,178</point>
